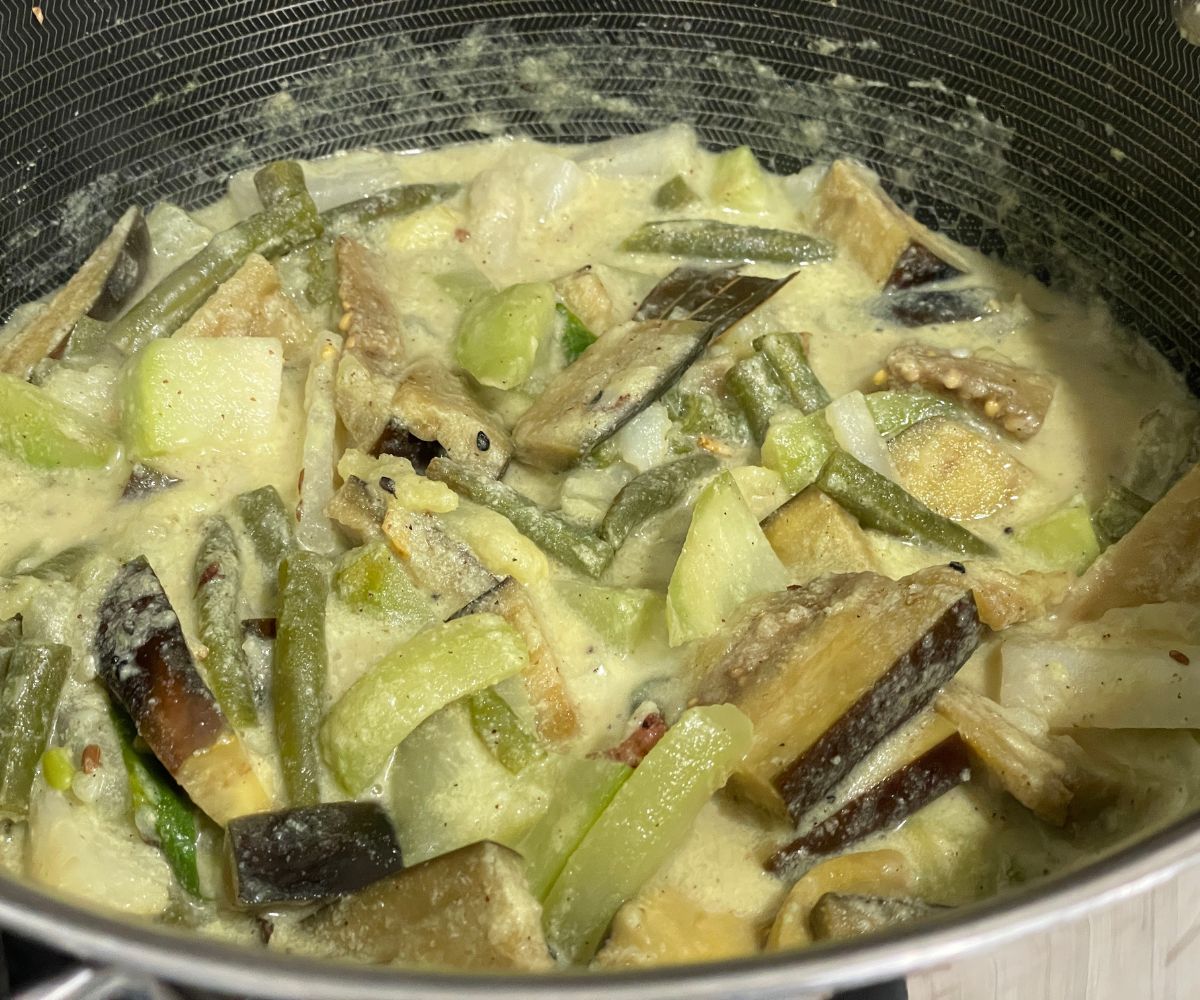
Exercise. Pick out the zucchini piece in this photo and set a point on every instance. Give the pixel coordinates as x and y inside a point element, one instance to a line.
<point>871,872</point>
<point>840,916</point>
<point>632,365</point>
<point>553,707</point>
<point>1155,562</point>
<point>99,289</point>
<point>499,335</point>
<point>312,854</point>
<point>369,319</point>
<point>798,448</point>
<point>812,536</point>
<point>648,818</point>
<point>726,560</point>
<point>371,580</point>
<point>739,181</point>
<point>1064,538</point>
<point>827,670</point>
<point>142,657</point>
<point>465,910</point>
<point>433,413</point>
<point>896,410</point>
<point>892,247</point>
<point>929,766</point>
<point>202,393</point>
<point>35,428</point>
<point>623,617</point>
<point>430,670</point>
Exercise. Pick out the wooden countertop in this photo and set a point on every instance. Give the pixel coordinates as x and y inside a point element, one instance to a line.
<point>1146,947</point>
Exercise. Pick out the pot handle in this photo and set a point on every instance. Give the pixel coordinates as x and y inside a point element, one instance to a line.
<point>88,983</point>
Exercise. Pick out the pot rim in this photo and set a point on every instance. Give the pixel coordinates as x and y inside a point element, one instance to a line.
<point>190,959</point>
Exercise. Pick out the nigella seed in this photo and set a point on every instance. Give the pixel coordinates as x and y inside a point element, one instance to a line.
<point>482,442</point>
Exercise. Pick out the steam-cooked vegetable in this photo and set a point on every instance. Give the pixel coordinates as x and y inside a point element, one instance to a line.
<point>435,667</point>
<point>1064,538</point>
<point>371,579</point>
<point>786,353</point>
<point>143,659</point>
<point>648,817</point>
<point>566,541</point>
<point>675,194</point>
<point>705,239</point>
<point>499,336</point>
<point>502,732</point>
<point>739,181</point>
<point>466,910</point>
<point>218,575</point>
<point>298,673</point>
<point>40,431</point>
<point>756,386</point>
<point>99,289</point>
<point>812,535</point>
<point>309,854</point>
<point>621,616</point>
<point>28,699</point>
<point>827,670</point>
<point>446,568</point>
<point>151,790</point>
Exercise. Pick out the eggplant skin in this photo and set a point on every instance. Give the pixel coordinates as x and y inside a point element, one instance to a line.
<point>145,662</point>
<point>128,267</point>
<point>909,684</point>
<point>311,854</point>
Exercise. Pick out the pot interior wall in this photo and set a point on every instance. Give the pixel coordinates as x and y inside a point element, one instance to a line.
<point>1062,135</point>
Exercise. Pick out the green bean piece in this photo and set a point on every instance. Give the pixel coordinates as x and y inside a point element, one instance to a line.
<point>280,186</point>
<point>576,337</point>
<point>321,287</point>
<point>879,503</point>
<point>298,674</point>
<point>786,354</point>
<point>502,732</point>
<point>705,413</point>
<point>32,685</point>
<point>270,526</point>
<point>675,194</point>
<point>755,385</point>
<point>895,411</point>
<point>218,588</point>
<point>10,636</point>
<point>394,201</point>
<point>170,303</point>
<point>653,492</point>
<point>151,788</point>
<point>723,241</point>
<point>568,542</point>
<point>62,566</point>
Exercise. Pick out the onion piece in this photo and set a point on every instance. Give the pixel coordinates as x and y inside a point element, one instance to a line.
<point>854,430</point>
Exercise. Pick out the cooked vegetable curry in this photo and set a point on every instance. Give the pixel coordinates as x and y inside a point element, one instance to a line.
<point>511,556</point>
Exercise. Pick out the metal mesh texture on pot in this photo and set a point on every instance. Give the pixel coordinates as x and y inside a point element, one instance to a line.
<point>1063,134</point>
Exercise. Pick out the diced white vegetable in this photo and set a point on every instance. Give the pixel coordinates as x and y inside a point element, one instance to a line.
<point>854,429</point>
<point>1129,688</point>
<point>643,442</point>
<point>663,153</point>
<point>314,529</point>
<point>184,394</point>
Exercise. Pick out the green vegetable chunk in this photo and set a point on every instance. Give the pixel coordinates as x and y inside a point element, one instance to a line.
<point>754,383</point>
<point>499,335</point>
<point>151,788</point>
<point>576,337</point>
<point>218,585</point>
<point>653,492</point>
<point>675,194</point>
<point>879,503</point>
<point>726,560</point>
<point>568,542</point>
<point>298,673</point>
<point>646,821</point>
<point>739,181</point>
<point>1064,539</point>
<point>502,732</point>
<point>895,412</point>
<point>583,791</point>
<point>202,392</point>
<point>270,526</point>
<point>785,351</point>
<point>622,616</point>
<point>705,239</point>
<point>57,768</point>
<point>35,428</point>
<point>434,668</point>
<point>372,580</point>
<point>798,449</point>
<point>170,303</point>
<point>28,701</point>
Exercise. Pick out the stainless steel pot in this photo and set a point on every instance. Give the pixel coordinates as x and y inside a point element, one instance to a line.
<point>1064,135</point>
